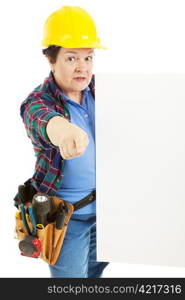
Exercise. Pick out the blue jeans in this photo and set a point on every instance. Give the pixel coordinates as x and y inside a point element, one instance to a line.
<point>77,258</point>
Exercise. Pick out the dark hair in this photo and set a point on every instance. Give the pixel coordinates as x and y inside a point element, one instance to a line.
<point>51,52</point>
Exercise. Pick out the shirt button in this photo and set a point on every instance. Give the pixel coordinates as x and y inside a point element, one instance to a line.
<point>58,180</point>
<point>86,115</point>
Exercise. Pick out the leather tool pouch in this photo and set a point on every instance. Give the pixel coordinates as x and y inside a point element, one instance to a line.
<point>51,238</point>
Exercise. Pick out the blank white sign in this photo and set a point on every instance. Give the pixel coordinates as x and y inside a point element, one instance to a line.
<point>140,152</point>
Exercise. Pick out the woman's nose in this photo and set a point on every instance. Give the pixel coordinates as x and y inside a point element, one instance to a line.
<point>81,65</point>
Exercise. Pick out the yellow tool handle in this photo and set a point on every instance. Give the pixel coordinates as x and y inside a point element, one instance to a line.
<point>40,226</point>
<point>18,215</point>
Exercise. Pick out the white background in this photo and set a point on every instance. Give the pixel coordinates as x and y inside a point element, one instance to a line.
<point>142,37</point>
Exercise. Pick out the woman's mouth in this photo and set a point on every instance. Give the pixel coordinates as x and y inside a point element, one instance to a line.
<point>80,79</point>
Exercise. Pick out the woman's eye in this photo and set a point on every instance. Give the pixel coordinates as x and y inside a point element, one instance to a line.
<point>71,58</point>
<point>88,58</point>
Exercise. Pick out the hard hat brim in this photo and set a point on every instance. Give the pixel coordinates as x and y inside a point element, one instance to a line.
<point>48,43</point>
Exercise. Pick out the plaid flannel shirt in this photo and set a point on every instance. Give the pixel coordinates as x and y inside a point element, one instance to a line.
<point>42,104</point>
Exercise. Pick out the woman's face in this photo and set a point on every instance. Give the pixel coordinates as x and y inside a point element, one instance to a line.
<point>73,69</point>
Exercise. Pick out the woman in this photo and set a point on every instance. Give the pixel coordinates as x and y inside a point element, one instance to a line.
<point>60,121</point>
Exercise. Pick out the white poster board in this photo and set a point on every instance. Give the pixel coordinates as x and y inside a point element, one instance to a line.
<point>140,140</point>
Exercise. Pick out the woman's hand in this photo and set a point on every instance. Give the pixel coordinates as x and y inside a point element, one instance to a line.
<point>71,139</point>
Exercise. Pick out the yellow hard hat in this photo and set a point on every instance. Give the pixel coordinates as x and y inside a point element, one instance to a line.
<point>71,27</point>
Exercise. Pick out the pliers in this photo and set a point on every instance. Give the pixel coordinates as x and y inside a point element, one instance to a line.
<point>24,214</point>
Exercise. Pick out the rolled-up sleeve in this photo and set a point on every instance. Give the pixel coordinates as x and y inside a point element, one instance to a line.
<point>36,114</point>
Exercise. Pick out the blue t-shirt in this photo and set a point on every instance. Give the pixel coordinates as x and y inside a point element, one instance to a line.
<point>79,174</point>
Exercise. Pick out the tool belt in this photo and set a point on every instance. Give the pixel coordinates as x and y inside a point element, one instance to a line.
<point>46,241</point>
